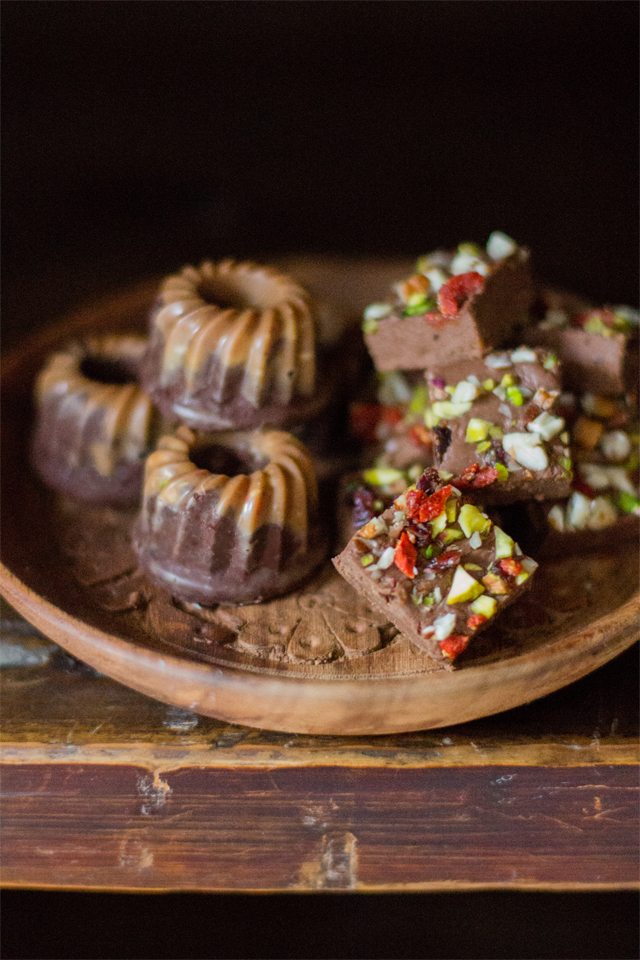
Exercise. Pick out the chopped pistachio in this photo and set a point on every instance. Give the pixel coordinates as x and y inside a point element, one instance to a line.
<point>504,544</point>
<point>495,432</point>
<point>503,473</point>
<point>477,430</point>
<point>472,566</point>
<point>450,535</point>
<point>522,576</point>
<point>514,395</point>
<point>495,584</point>
<point>367,559</point>
<point>369,326</point>
<point>484,446</point>
<point>488,384</point>
<point>471,519</point>
<point>628,503</point>
<point>509,380</point>
<point>418,400</point>
<point>445,409</point>
<point>438,524</point>
<point>485,606</point>
<point>464,587</point>
<point>381,476</point>
<point>550,362</point>
<point>451,509</point>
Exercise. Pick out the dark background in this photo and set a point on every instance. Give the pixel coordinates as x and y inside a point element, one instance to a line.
<point>139,136</point>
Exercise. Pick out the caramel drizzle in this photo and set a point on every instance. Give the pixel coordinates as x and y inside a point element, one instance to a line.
<point>194,331</point>
<point>125,424</point>
<point>283,493</point>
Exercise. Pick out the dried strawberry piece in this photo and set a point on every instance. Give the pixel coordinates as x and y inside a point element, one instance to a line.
<point>474,476</point>
<point>455,291</point>
<point>467,476</point>
<point>454,645</point>
<point>420,435</point>
<point>476,621</point>
<point>420,507</point>
<point>405,556</point>
<point>391,415</point>
<point>510,566</point>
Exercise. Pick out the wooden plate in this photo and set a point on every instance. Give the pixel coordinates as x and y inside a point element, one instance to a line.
<point>318,661</point>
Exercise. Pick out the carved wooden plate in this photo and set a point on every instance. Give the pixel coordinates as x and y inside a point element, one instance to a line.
<point>319,661</point>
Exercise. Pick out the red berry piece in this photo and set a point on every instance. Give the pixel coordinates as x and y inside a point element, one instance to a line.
<point>454,645</point>
<point>457,290</point>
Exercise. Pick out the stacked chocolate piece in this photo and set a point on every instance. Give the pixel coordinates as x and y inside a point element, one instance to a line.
<point>466,374</point>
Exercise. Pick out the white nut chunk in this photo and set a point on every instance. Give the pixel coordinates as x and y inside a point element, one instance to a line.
<point>443,626</point>
<point>615,445</point>
<point>526,450</point>
<point>546,425</point>
<point>499,245</point>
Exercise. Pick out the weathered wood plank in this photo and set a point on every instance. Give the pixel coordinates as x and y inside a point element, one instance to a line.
<point>322,827</point>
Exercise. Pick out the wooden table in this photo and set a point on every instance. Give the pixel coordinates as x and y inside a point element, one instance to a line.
<point>104,788</point>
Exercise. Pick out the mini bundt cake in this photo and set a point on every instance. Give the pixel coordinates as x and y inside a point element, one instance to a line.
<point>94,423</point>
<point>232,346</point>
<point>229,517</point>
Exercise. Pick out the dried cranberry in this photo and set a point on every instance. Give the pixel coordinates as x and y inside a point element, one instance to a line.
<point>363,506</point>
<point>429,481</point>
<point>476,620</point>
<point>455,291</point>
<point>442,436</point>
<point>484,477</point>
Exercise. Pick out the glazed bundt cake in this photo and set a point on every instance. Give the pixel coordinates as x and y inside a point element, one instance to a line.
<point>94,423</point>
<point>232,346</point>
<point>229,517</point>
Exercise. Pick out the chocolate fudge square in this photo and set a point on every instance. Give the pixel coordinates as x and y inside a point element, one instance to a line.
<point>597,348</point>
<point>495,428</point>
<point>455,305</point>
<point>435,566</point>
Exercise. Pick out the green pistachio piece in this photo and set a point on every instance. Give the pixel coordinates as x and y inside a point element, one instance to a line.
<point>522,577</point>
<point>484,446</point>
<point>464,587</point>
<point>367,559</point>
<point>471,248</point>
<point>504,544</point>
<point>551,362</point>
<point>472,566</point>
<point>503,473</point>
<point>369,326</point>
<point>485,606</point>
<point>418,400</point>
<point>471,519</point>
<point>451,534</point>
<point>451,509</point>
<point>381,476</point>
<point>515,396</point>
<point>438,525</point>
<point>496,432</point>
<point>445,410</point>
<point>509,380</point>
<point>477,430</point>
<point>628,503</point>
<point>422,305</point>
<point>488,384</point>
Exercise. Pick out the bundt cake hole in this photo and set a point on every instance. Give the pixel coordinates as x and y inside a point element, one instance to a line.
<point>216,458</point>
<point>113,371</point>
<point>253,291</point>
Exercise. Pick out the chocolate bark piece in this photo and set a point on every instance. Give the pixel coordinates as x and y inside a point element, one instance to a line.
<point>495,426</point>
<point>405,339</point>
<point>597,348</point>
<point>435,566</point>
